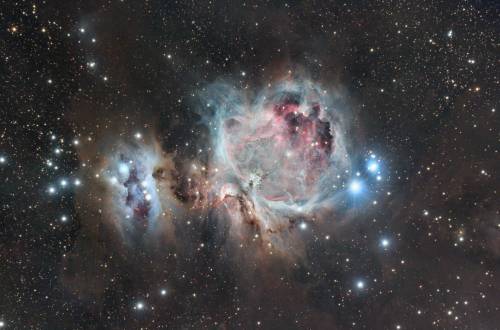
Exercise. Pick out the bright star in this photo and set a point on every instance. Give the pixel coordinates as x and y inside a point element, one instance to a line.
<point>355,186</point>
<point>373,166</point>
<point>123,168</point>
<point>360,284</point>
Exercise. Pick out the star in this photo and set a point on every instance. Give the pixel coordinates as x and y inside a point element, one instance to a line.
<point>355,186</point>
<point>384,242</point>
<point>373,166</point>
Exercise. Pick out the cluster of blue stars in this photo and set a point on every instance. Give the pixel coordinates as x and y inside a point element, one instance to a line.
<point>373,168</point>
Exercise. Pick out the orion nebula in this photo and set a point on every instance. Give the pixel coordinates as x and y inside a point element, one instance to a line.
<point>279,162</point>
<point>278,158</point>
<point>249,165</point>
<point>278,152</point>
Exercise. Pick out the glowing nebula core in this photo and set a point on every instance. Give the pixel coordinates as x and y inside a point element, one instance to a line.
<point>281,152</point>
<point>277,154</point>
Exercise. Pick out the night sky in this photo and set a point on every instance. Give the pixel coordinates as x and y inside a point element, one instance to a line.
<point>249,164</point>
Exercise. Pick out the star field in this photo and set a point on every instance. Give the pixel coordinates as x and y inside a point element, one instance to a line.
<point>261,164</point>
